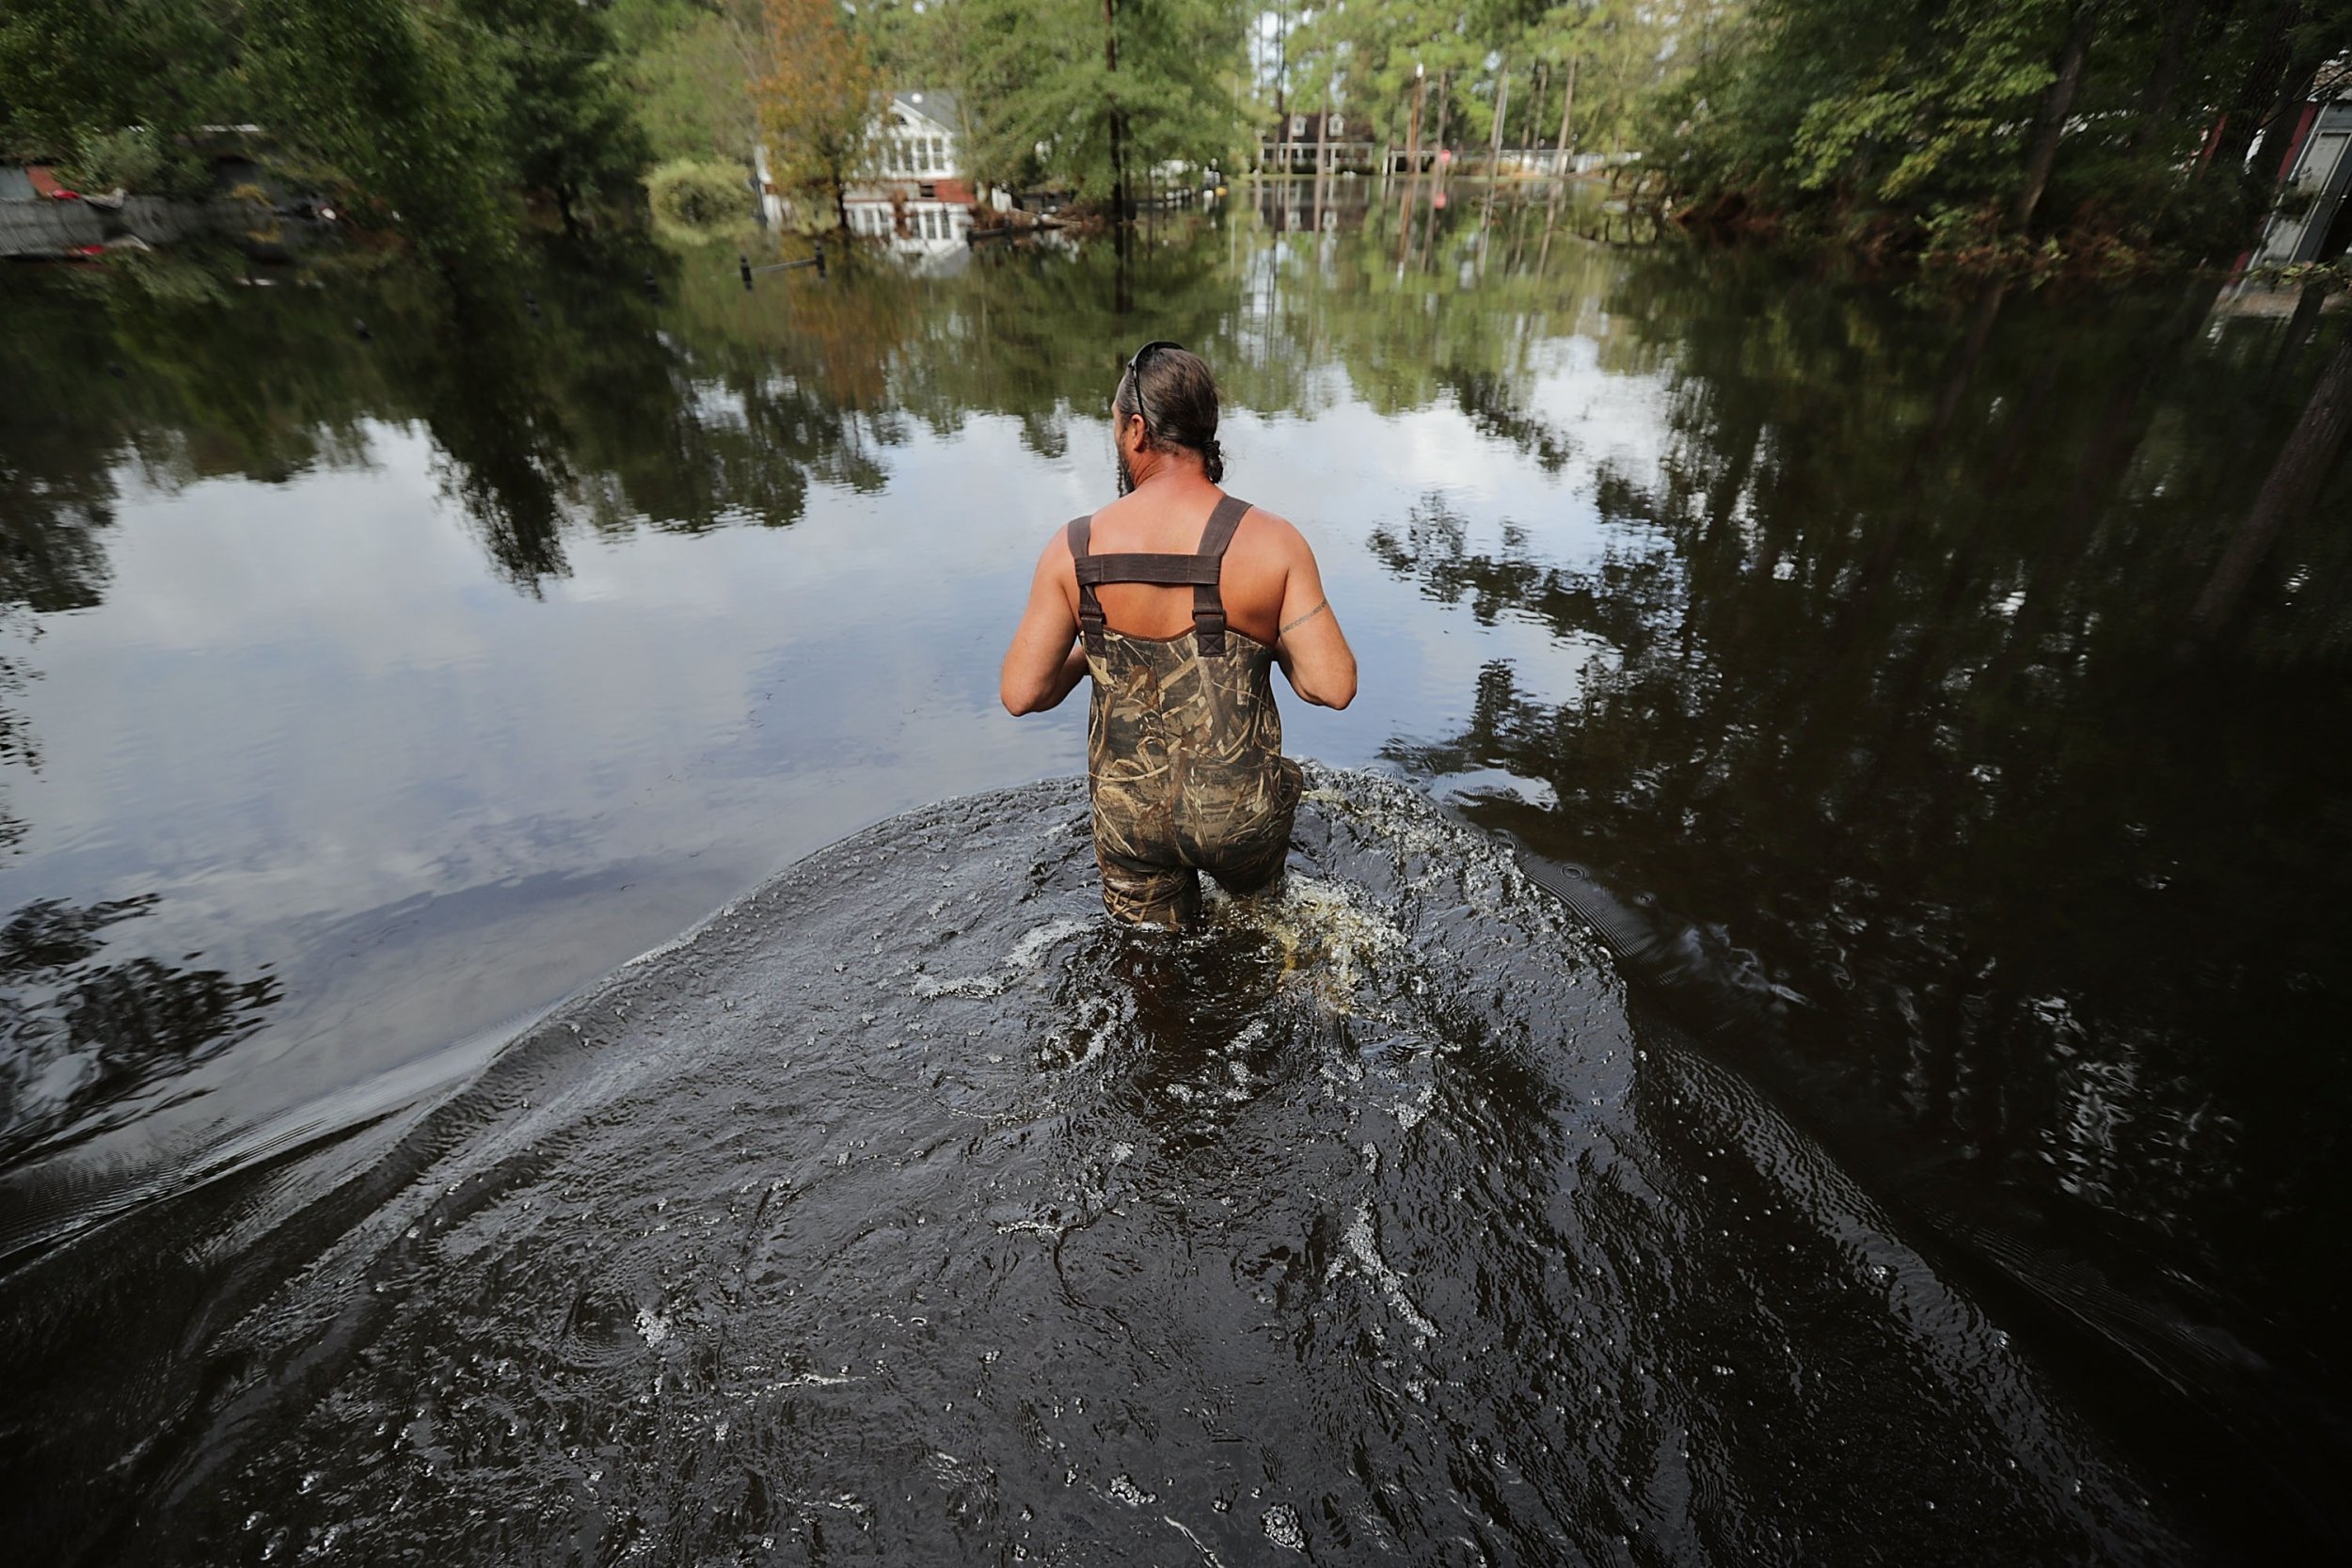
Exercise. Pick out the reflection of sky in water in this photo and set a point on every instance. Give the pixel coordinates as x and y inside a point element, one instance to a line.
<point>310,717</point>
<point>1889,702</point>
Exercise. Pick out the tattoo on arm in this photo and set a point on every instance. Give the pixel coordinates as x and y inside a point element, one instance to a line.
<point>1302,620</point>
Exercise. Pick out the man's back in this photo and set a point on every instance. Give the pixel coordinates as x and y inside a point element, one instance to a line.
<point>1256,571</point>
<point>1270,584</point>
<point>1186,597</point>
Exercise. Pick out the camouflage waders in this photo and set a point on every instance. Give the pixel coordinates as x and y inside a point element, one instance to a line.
<point>1183,746</point>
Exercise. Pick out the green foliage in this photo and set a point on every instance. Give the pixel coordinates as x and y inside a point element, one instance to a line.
<point>1359,58</point>
<point>687,66</point>
<point>817,99</point>
<point>382,90</point>
<point>698,200</point>
<point>429,111</point>
<point>73,69</point>
<point>1045,100</point>
<point>1933,125</point>
<point>127,157</point>
<point>564,121</point>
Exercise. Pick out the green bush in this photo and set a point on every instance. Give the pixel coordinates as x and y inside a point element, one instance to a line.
<point>104,159</point>
<point>697,199</point>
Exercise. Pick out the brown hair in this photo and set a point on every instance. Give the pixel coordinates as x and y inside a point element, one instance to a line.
<point>1171,388</point>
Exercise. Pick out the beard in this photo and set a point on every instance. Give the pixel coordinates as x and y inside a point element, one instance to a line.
<point>1126,475</point>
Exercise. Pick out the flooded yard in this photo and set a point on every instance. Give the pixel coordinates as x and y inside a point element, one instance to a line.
<point>1937,1153</point>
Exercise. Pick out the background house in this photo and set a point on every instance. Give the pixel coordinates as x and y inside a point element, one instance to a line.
<point>2314,222</point>
<point>1320,140</point>
<point>914,195</point>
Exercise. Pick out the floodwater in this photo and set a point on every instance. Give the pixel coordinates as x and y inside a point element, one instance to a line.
<point>1915,1135</point>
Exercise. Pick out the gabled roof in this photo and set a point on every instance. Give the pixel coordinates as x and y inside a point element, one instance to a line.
<point>940,109</point>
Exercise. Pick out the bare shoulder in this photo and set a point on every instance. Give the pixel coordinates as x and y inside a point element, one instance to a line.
<point>1276,535</point>
<point>1056,551</point>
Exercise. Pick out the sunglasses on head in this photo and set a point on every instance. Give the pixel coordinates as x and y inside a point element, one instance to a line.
<point>1133,363</point>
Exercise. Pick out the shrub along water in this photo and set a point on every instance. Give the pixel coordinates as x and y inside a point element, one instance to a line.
<point>429,116</point>
<point>1998,136</point>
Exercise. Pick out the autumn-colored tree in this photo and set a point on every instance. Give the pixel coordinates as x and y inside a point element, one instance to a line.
<point>816,101</point>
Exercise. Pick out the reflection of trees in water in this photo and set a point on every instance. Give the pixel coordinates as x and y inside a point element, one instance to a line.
<point>79,1035</point>
<point>561,398</point>
<point>1889,687</point>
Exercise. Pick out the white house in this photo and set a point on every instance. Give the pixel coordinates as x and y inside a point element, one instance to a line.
<point>914,194</point>
<point>2312,227</point>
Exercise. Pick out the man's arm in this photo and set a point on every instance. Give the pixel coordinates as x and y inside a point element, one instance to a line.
<point>1044,663</point>
<point>1313,650</point>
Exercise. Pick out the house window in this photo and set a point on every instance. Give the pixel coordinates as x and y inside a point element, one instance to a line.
<point>1298,126</point>
<point>1334,127</point>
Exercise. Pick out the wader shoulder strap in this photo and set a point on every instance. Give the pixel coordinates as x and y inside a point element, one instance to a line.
<point>1089,568</point>
<point>1208,605</point>
<point>1198,571</point>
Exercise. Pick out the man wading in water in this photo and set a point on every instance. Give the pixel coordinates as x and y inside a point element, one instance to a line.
<point>1177,599</point>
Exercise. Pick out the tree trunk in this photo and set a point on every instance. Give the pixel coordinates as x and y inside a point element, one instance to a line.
<point>2157,103</point>
<point>2293,93</point>
<point>1445,80</point>
<point>1281,86</point>
<point>2056,106</point>
<point>1119,120</point>
<point>1567,106</point>
<point>1503,108</point>
<point>1412,174</point>
<point>2300,328</point>
<point>1535,114</point>
<point>2265,76</point>
<point>1412,134</point>
<point>2302,468</point>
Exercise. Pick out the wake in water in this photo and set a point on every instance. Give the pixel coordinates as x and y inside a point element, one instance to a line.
<point>907,1212</point>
